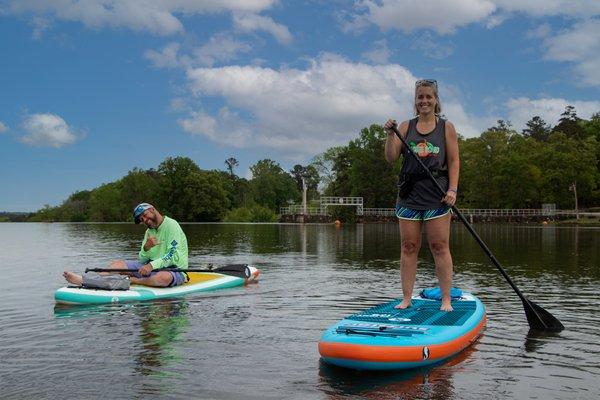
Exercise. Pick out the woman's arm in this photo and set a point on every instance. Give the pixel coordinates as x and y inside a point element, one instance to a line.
<point>453,160</point>
<point>393,145</point>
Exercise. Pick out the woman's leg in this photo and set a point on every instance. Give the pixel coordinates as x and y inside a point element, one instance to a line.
<point>438,237</point>
<point>410,243</point>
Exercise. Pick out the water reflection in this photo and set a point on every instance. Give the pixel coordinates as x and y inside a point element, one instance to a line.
<point>161,325</point>
<point>535,340</point>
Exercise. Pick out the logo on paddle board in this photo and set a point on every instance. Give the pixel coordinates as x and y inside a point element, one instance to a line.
<point>425,353</point>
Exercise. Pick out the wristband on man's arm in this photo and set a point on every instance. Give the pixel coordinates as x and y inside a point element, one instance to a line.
<point>453,189</point>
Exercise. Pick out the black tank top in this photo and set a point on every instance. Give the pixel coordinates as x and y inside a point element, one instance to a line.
<point>431,149</point>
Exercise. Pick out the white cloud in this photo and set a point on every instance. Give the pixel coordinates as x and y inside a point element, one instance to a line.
<point>220,47</point>
<point>305,111</point>
<point>154,16</point>
<point>40,25</point>
<point>443,16</point>
<point>47,130</point>
<point>539,8</point>
<point>178,104</point>
<point>580,46</point>
<point>432,48</point>
<point>167,57</point>
<point>539,32</point>
<point>380,54</point>
<point>254,22</point>
<point>522,109</point>
<point>226,128</point>
<point>3,127</point>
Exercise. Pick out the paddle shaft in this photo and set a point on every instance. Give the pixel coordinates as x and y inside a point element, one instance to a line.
<point>526,303</point>
<point>132,271</point>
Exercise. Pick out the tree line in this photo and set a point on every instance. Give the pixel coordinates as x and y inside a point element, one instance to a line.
<point>501,168</point>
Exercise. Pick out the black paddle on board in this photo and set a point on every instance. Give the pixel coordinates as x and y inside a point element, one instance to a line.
<point>239,270</point>
<point>538,318</point>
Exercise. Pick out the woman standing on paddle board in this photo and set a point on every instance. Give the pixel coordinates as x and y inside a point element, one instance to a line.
<point>419,203</point>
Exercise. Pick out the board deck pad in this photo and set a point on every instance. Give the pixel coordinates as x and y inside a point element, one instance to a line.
<point>422,312</point>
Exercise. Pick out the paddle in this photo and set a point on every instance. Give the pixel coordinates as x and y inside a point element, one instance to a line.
<point>537,317</point>
<point>239,270</point>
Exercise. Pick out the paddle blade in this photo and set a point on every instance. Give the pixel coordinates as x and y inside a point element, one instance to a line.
<point>540,319</point>
<point>239,270</point>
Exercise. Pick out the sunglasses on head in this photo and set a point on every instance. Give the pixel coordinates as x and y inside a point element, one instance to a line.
<point>426,82</point>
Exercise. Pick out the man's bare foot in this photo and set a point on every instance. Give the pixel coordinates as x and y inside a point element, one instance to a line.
<point>403,305</point>
<point>446,306</point>
<point>73,278</point>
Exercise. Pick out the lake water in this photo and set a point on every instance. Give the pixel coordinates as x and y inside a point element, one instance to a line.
<point>260,341</point>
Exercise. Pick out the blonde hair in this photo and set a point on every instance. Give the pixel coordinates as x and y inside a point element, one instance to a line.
<point>432,84</point>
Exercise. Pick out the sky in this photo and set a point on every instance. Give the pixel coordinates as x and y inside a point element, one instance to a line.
<point>92,89</point>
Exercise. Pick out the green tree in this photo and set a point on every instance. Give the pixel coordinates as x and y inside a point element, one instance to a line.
<point>106,205</point>
<point>140,186</point>
<point>174,176</point>
<point>592,129</point>
<point>370,175</point>
<point>203,197</point>
<point>231,164</point>
<point>566,160</point>
<point>76,207</point>
<point>569,124</point>
<point>332,167</point>
<point>311,177</point>
<point>518,178</point>
<point>481,159</point>
<point>271,186</point>
<point>360,169</point>
<point>537,129</point>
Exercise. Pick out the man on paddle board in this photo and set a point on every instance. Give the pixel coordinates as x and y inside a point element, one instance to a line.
<point>164,245</point>
<point>435,142</point>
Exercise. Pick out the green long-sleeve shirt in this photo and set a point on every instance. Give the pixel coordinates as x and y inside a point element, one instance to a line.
<point>172,249</point>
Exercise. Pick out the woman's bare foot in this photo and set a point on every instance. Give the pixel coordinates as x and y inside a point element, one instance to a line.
<point>446,306</point>
<point>404,304</point>
<point>73,278</point>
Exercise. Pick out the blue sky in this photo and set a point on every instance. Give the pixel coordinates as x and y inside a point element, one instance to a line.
<point>90,90</point>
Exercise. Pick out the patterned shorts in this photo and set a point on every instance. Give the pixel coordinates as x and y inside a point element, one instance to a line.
<point>421,215</point>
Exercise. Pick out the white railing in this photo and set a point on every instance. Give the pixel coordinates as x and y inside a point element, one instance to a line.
<point>502,212</point>
<point>347,201</point>
<point>298,209</point>
<point>383,212</point>
<point>478,212</point>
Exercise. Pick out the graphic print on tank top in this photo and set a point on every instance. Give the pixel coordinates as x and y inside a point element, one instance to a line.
<point>424,149</point>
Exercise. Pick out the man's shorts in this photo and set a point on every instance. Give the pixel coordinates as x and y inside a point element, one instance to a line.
<point>179,278</point>
<point>420,215</point>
